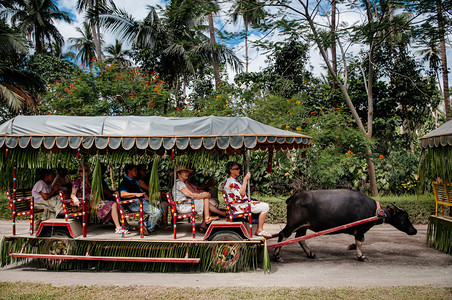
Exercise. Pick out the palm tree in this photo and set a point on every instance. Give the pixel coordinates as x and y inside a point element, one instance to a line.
<point>94,8</point>
<point>84,45</point>
<point>15,84</point>
<point>36,18</point>
<point>116,54</point>
<point>252,13</point>
<point>174,40</point>
<point>56,50</point>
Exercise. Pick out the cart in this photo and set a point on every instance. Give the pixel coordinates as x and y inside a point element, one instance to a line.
<point>61,244</point>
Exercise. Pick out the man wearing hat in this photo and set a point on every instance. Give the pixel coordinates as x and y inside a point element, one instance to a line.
<point>129,188</point>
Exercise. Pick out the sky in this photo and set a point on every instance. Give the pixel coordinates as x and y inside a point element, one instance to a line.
<point>257,59</point>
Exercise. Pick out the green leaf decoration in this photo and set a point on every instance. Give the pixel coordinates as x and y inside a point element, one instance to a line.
<point>211,254</point>
<point>436,162</point>
<point>439,234</point>
<point>97,193</point>
<point>154,186</point>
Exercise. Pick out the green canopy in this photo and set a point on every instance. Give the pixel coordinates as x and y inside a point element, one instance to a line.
<point>153,133</point>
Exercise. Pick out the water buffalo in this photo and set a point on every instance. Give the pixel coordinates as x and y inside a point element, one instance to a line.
<point>323,209</point>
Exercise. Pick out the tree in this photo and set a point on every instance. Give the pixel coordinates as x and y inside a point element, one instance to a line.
<point>36,18</point>
<point>106,89</point>
<point>84,45</point>
<point>173,45</point>
<point>116,54</point>
<point>94,7</point>
<point>437,23</point>
<point>16,84</point>
<point>373,32</point>
<point>252,13</point>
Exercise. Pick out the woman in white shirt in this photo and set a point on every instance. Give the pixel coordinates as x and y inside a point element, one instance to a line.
<point>236,190</point>
<point>202,200</point>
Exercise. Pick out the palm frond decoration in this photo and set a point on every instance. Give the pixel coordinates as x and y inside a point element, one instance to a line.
<point>436,162</point>
<point>154,186</point>
<point>97,193</point>
<point>439,234</point>
<point>213,256</point>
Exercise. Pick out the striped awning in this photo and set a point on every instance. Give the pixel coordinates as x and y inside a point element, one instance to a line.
<point>154,133</point>
<point>440,137</point>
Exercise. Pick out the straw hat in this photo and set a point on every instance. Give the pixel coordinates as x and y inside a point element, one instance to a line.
<point>183,168</point>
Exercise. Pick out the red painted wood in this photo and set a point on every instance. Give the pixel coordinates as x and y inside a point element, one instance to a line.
<point>305,237</point>
<point>108,258</point>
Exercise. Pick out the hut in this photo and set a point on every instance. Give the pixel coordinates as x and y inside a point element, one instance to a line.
<point>437,158</point>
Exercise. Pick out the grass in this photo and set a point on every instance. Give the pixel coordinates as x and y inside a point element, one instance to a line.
<point>419,208</point>
<point>30,291</point>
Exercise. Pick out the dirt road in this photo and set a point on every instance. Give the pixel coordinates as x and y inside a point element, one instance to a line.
<point>394,259</point>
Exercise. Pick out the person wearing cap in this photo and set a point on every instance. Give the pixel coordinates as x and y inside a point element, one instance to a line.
<point>130,188</point>
<point>182,192</point>
<point>236,190</point>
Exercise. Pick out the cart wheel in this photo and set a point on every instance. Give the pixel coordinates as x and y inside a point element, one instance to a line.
<point>226,255</point>
<point>58,244</point>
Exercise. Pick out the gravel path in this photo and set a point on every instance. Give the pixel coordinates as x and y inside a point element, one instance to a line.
<point>394,259</point>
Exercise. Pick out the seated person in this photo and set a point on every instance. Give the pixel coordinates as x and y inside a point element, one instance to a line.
<point>46,197</point>
<point>202,199</point>
<point>235,190</point>
<point>129,188</point>
<point>210,186</point>
<point>77,190</point>
<point>143,181</point>
<point>63,180</point>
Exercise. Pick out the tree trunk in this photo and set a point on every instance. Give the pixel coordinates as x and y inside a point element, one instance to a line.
<point>216,68</point>
<point>348,100</point>
<point>442,45</point>
<point>246,43</point>
<point>333,46</point>
<point>38,43</point>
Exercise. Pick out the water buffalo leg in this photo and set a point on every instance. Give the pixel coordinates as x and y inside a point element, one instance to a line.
<point>359,239</point>
<point>302,232</point>
<point>283,235</point>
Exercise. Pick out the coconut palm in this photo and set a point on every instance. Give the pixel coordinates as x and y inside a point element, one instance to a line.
<point>84,45</point>
<point>15,84</point>
<point>175,41</point>
<point>56,50</point>
<point>94,6</point>
<point>252,13</point>
<point>116,54</point>
<point>36,18</point>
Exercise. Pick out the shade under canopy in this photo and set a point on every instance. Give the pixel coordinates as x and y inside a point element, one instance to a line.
<point>440,137</point>
<point>155,133</point>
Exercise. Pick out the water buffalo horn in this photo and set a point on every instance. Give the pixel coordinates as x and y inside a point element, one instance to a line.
<point>398,208</point>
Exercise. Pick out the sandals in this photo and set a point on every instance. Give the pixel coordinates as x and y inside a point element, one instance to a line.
<point>167,228</point>
<point>202,229</point>
<point>121,231</point>
<point>210,219</point>
<point>131,228</point>
<point>264,234</point>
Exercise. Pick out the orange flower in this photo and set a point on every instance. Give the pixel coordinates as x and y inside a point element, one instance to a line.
<point>381,156</point>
